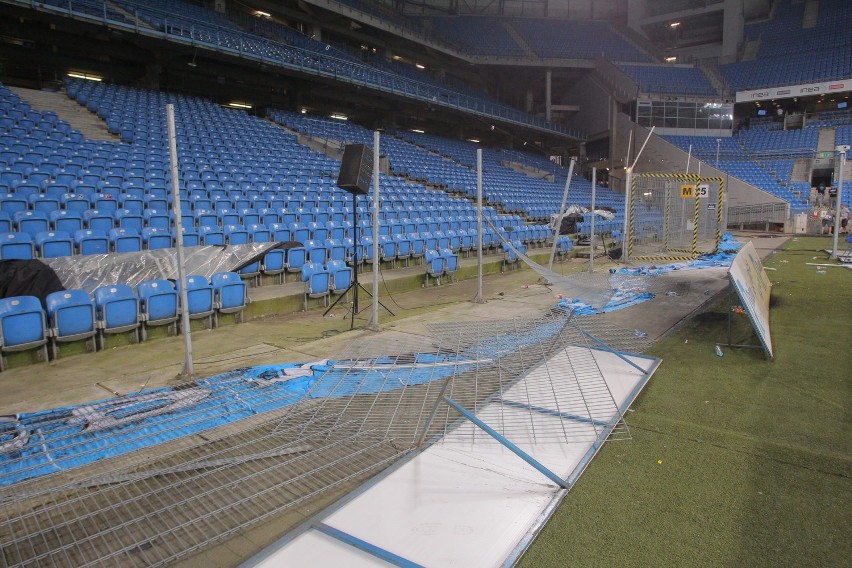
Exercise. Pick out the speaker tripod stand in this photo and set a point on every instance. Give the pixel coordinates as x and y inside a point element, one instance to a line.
<point>355,285</point>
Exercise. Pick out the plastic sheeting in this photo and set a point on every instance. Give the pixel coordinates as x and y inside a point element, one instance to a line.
<point>626,292</point>
<point>89,272</point>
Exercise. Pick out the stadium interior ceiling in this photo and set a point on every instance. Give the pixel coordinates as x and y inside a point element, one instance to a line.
<point>38,49</point>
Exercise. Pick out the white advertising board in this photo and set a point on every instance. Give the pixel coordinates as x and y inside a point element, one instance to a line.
<point>790,91</point>
<point>753,288</point>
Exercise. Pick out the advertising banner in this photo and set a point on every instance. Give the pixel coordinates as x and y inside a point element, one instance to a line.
<point>753,288</point>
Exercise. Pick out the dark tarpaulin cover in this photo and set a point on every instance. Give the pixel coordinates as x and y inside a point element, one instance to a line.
<point>28,278</point>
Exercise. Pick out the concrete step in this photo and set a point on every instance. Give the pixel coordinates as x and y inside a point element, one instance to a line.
<point>78,117</point>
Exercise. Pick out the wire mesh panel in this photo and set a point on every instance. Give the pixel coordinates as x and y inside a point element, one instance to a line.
<point>674,216</point>
<point>530,379</point>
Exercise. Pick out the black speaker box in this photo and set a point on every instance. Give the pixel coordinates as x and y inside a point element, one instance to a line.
<point>356,169</point>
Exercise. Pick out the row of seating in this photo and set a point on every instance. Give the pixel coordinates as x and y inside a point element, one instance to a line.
<point>74,315</point>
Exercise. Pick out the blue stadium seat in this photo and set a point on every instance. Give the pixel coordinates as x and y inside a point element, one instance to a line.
<point>52,244</point>
<point>125,240</point>
<point>199,295</point>
<point>71,316</point>
<point>22,326</point>
<point>435,266</point>
<point>32,222</point>
<point>158,305</point>
<point>230,294</point>
<point>317,282</point>
<point>68,221</point>
<point>451,263</point>
<point>117,308</point>
<point>274,264</point>
<point>156,238</point>
<point>16,246</point>
<point>341,276</point>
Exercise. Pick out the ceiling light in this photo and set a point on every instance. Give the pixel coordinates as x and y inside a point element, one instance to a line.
<point>239,105</point>
<point>671,59</point>
<point>85,76</point>
<point>417,131</point>
<point>304,111</point>
<point>262,14</point>
<point>338,116</point>
<point>674,24</point>
<point>474,140</point>
<point>419,66</point>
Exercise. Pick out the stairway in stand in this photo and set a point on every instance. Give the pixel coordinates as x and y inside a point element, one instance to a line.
<point>78,117</point>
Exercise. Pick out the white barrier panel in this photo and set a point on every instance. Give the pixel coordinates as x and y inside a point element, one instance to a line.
<point>753,288</point>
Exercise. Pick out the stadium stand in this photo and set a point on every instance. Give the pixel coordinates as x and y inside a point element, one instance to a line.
<point>670,80</point>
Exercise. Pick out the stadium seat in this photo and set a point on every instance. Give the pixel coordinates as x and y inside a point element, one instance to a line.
<point>199,294</point>
<point>22,326</point>
<point>451,263</point>
<point>156,238</point>
<point>341,276</point>
<point>317,282</point>
<point>32,222</point>
<point>125,240</point>
<point>16,246</point>
<point>71,317</point>
<point>117,308</point>
<point>230,295</point>
<point>435,266</point>
<point>158,305</point>
<point>274,264</point>
<point>52,244</point>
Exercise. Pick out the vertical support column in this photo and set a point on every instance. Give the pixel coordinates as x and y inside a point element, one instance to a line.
<point>479,297</point>
<point>374,312</point>
<point>667,211</point>
<point>561,212</point>
<point>842,150</point>
<point>720,202</point>
<point>188,369</point>
<point>592,239</point>
<point>695,219</point>
<point>548,80</point>
<point>630,199</point>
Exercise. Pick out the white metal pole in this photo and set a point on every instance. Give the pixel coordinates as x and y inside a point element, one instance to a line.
<point>561,212</point>
<point>837,205</point>
<point>188,369</point>
<point>688,158</point>
<point>374,314</point>
<point>627,198</point>
<point>718,142</point>
<point>479,297</point>
<point>592,240</point>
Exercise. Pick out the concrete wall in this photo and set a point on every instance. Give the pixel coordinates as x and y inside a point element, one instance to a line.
<point>661,156</point>
<point>594,102</point>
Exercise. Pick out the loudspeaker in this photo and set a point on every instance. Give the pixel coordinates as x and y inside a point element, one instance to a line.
<point>356,169</point>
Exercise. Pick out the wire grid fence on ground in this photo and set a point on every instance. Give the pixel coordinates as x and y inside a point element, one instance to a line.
<point>674,216</point>
<point>533,380</point>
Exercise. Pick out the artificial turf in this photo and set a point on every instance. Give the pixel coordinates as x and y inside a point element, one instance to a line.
<point>734,460</point>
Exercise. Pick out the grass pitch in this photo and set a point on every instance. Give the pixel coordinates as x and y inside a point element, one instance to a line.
<point>734,461</point>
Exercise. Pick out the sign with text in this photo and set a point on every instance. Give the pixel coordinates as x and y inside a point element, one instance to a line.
<point>753,288</point>
<point>687,191</point>
<point>791,91</point>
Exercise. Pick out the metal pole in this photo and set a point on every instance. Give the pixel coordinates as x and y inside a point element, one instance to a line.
<point>718,141</point>
<point>479,297</point>
<point>625,253</point>
<point>592,240</point>
<point>561,212</point>
<point>842,151</point>
<point>374,314</point>
<point>188,369</point>
<point>688,159</point>
<point>628,179</point>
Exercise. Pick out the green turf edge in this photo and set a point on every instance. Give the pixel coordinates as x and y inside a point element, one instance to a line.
<point>734,461</point>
